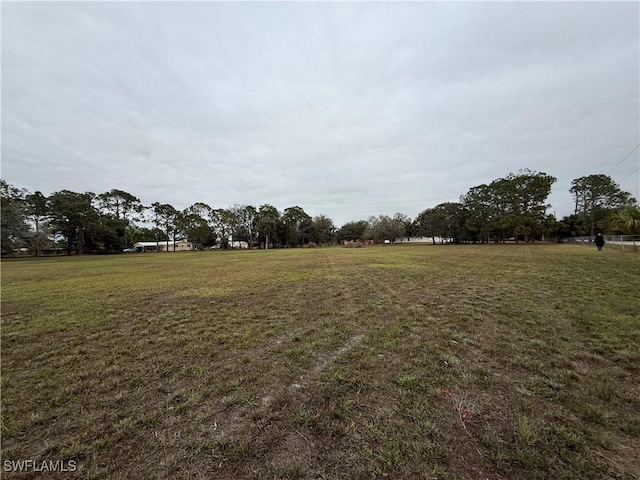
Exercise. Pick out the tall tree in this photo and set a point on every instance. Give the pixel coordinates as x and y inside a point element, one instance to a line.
<point>594,193</point>
<point>351,231</point>
<point>164,218</point>
<point>296,223</point>
<point>204,211</point>
<point>195,226</point>
<point>321,230</point>
<point>245,222</point>
<point>502,203</point>
<point>268,222</point>
<point>14,229</point>
<point>179,224</point>
<point>38,213</point>
<point>124,207</point>
<point>445,221</point>
<point>384,227</point>
<point>454,217</point>
<point>249,221</point>
<point>482,212</point>
<point>231,220</point>
<point>73,216</point>
<point>220,223</point>
<point>526,196</point>
<point>429,223</point>
<point>406,223</point>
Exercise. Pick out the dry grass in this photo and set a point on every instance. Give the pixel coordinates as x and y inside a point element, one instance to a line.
<point>435,362</point>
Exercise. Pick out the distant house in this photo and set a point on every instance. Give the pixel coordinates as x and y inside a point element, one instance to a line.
<point>435,239</point>
<point>181,246</point>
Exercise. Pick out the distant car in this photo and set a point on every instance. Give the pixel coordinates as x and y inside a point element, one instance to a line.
<point>215,247</point>
<point>129,250</point>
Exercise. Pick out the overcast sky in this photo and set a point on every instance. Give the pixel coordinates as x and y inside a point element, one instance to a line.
<point>345,109</point>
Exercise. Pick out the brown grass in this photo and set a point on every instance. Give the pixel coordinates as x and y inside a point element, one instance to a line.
<point>499,362</point>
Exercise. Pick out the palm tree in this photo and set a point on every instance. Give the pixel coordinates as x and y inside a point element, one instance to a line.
<point>627,221</point>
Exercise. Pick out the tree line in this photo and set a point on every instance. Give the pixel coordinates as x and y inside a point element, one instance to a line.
<point>513,207</point>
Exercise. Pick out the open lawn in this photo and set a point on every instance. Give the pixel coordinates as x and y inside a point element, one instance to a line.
<point>403,362</point>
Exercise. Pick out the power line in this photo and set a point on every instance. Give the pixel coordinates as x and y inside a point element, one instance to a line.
<point>623,158</point>
<point>629,174</point>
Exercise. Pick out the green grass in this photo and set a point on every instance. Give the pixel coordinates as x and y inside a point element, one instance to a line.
<point>435,362</point>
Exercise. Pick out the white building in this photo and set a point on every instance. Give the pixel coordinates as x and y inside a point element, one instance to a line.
<point>421,240</point>
<point>180,246</point>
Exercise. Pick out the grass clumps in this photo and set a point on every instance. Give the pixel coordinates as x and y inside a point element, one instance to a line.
<point>412,361</point>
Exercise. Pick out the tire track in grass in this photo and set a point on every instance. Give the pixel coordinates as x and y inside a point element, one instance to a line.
<point>266,421</point>
<point>323,361</point>
<point>236,420</point>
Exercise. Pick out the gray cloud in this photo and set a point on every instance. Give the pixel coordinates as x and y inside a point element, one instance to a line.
<point>346,109</point>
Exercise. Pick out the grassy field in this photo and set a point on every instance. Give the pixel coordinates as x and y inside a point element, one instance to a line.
<point>403,362</point>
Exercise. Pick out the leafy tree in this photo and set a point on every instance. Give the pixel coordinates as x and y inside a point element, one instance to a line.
<point>14,229</point>
<point>207,213</point>
<point>451,218</point>
<point>351,231</point>
<point>515,204</point>
<point>595,193</point>
<point>407,227</point>
<point>195,225</point>
<point>104,235</point>
<point>165,219</point>
<point>526,194</point>
<point>296,224</point>
<point>220,224</point>
<point>249,220</point>
<point>178,226</point>
<point>552,228</point>
<point>268,222</point>
<point>246,219</point>
<point>574,225</point>
<point>73,216</point>
<point>455,217</point>
<point>38,213</point>
<point>321,230</point>
<point>124,208</point>
<point>384,227</point>
<point>202,210</point>
<point>433,222</point>
<point>426,224</point>
<point>446,221</point>
<point>482,212</point>
<point>626,221</point>
<point>502,202</point>
<point>232,219</point>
